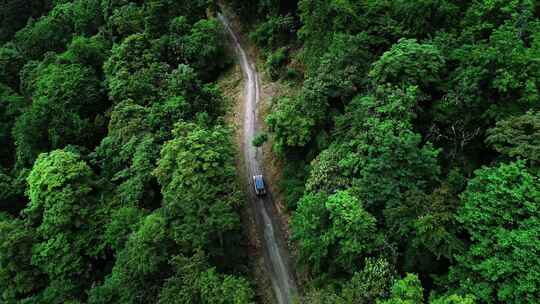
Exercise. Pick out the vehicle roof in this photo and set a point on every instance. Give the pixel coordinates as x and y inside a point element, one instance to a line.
<point>259,183</point>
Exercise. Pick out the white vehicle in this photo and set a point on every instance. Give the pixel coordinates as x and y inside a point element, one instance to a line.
<point>258,183</point>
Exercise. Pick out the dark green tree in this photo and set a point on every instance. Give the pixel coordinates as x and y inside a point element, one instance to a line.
<point>133,71</point>
<point>128,154</point>
<point>334,232</point>
<point>195,282</point>
<point>517,136</point>
<point>11,61</point>
<point>11,106</point>
<point>140,268</point>
<point>15,14</point>
<point>18,277</point>
<point>126,20</point>
<point>65,102</point>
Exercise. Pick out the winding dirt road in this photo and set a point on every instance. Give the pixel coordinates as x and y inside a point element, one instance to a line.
<point>268,223</point>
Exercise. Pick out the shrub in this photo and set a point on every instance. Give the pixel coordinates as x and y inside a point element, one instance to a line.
<point>260,139</point>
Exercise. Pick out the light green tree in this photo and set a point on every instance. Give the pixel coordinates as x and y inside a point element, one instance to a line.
<point>499,213</point>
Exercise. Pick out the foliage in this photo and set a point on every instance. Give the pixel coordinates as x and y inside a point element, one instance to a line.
<point>66,99</point>
<point>409,291</point>
<point>410,63</point>
<point>203,47</point>
<point>17,276</point>
<point>428,221</point>
<point>11,106</point>
<point>54,31</point>
<point>290,124</point>
<point>424,18</point>
<point>334,231</point>
<point>274,32</point>
<point>133,70</point>
<point>140,267</point>
<point>90,93</point>
<point>366,286</point>
<point>91,52</point>
<point>11,62</point>
<point>499,213</point>
<point>406,291</point>
<point>408,141</point>
<point>193,282</point>
<point>61,210</point>
<point>517,136</point>
<point>195,172</point>
<point>402,101</point>
<point>15,14</point>
<point>126,21</point>
<point>260,139</point>
<point>275,63</point>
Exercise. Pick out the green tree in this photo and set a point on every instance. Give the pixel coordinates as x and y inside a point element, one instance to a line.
<point>203,48</point>
<point>140,268</point>
<point>123,222</point>
<point>320,19</point>
<point>18,277</point>
<point>52,32</point>
<point>128,155</point>
<point>91,51</point>
<point>495,78</point>
<point>158,13</point>
<point>385,160</point>
<point>453,299</point>
<point>11,106</point>
<point>427,221</point>
<point>410,63</point>
<point>500,208</point>
<point>517,136</point>
<point>194,282</point>
<point>133,71</point>
<point>426,17</point>
<point>275,31</point>
<point>65,102</point>
<point>196,173</point>
<point>341,72</point>
<point>409,290</point>
<point>62,210</point>
<point>126,20</point>
<point>184,86</point>
<point>290,124</point>
<point>334,232</point>
<point>371,283</point>
<point>406,291</point>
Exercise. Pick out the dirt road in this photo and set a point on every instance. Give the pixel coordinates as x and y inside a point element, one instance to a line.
<point>275,252</point>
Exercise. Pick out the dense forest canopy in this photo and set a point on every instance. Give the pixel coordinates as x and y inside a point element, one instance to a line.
<point>410,141</point>
<point>111,130</point>
<point>410,137</point>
